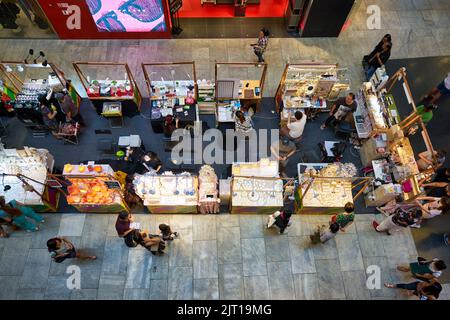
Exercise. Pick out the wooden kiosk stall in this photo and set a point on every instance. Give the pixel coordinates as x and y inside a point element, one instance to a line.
<point>25,177</point>
<point>26,82</point>
<point>112,89</point>
<point>237,85</point>
<point>172,87</point>
<point>168,192</point>
<point>94,188</point>
<point>325,188</point>
<point>256,187</point>
<point>387,148</point>
<point>306,87</point>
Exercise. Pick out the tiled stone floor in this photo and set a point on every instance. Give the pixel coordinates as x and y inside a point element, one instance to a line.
<point>216,257</point>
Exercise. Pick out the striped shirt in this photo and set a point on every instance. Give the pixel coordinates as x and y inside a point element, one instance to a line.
<point>262,44</point>
<point>243,127</point>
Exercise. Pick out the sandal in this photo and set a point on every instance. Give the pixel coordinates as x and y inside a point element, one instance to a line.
<point>389,285</point>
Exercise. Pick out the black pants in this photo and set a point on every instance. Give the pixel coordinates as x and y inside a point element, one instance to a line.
<point>259,54</point>
<point>331,120</point>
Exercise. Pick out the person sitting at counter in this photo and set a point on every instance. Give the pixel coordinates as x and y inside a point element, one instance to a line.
<point>426,160</point>
<point>243,123</point>
<point>170,125</point>
<point>69,108</point>
<point>151,161</point>
<point>431,207</point>
<point>295,129</point>
<point>339,110</point>
<point>48,115</point>
<point>282,150</point>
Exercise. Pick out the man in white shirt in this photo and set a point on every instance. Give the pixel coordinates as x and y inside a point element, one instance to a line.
<point>294,130</point>
<point>442,89</point>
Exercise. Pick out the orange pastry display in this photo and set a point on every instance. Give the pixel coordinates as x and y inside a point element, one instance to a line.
<point>91,191</point>
<point>81,168</point>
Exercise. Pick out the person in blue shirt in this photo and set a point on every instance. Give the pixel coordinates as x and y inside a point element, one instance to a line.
<point>19,214</point>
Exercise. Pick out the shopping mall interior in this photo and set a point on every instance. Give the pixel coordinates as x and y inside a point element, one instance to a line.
<point>132,79</point>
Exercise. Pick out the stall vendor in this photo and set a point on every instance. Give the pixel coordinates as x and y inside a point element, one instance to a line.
<point>426,112</point>
<point>339,110</point>
<point>69,108</point>
<point>294,130</point>
<point>48,115</point>
<point>243,123</point>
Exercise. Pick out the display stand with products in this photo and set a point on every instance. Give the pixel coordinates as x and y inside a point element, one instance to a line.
<point>94,189</point>
<point>27,82</point>
<point>168,192</point>
<point>326,188</point>
<point>24,177</point>
<point>256,187</point>
<point>206,97</point>
<point>208,193</point>
<point>172,88</point>
<point>239,81</point>
<point>306,87</point>
<point>107,82</point>
<point>387,148</point>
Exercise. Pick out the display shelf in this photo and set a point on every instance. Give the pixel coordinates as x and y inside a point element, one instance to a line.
<point>208,193</point>
<point>206,97</point>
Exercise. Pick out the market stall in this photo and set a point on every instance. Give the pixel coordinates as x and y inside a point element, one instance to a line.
<point>306,87</point>
<point>24,177</point>
<point>238,84</point>
<point>256,187</point>
<point>386,147</point>
<point>326,188</point>
<point>26,82</point>
<point>111,88</point>
<point>172,88</point>
<point>94,188</point>
<point>168,192</point>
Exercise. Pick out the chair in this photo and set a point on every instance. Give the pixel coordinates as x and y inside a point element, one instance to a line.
<point>106,146</point>
<point>343,129</point>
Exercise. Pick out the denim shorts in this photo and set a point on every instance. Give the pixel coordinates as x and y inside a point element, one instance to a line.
<point>442,89</point>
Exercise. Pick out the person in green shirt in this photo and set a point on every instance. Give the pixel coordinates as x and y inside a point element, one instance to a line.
<point>346,218</point>
<point>426,112</point>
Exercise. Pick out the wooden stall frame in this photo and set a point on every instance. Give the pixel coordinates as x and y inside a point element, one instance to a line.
<point>261,81</point>
<point>162,64</point>
<point>18,83</point>
<point>83,78</point>
<point>281,85</point>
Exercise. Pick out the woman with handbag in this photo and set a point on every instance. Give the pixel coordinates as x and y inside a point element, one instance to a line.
<point>424,269</point>
<point>424,290</point>
<point>61,249</point>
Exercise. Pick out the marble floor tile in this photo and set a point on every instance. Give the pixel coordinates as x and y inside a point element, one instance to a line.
<point>256,288</point>
<point>115,260</point>
<point>226,220</point>
<point>113,294</point>
<point>254,257</point>
<point>139,265</point>
<point>135,294</point>
<point>371,244</point>
<point>36,269</point>
<point>182,221</point>
<point>204,227</point>
<point>160,267</point>
<point>355,285</point>
<point>95,231</point>
<point>301,226</point>
<point>72,225</point>
<point>372,264</point>
<point>84,294</point>
<point>206,289</point>
<point>280,281</point>
<point>158,290</point>
<point>57,288</point>
<point>229,245</point>
<point>331,285</point>
<point>231,283</point>
<point>277,248</point>
<point>397,248</point>
<point>14,256</point>
<point>180,285</point>
<point>302,255</point>
<point>47,231</point>
<point>306,286</point>
<point>9,287</point>
<point>349,252</point>
<point>30,294</point>
<point>251,226</point>
<point>180,250</point>
<point>326,250</point>
<point>205,259</point>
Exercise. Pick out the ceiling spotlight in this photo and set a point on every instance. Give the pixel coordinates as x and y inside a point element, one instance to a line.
<point>19,68</point>
<point>45,63</point>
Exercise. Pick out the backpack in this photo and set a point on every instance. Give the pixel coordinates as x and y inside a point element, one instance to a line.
<point>132,239</point>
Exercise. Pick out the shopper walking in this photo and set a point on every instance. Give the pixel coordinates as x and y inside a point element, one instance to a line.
<point>432,206</point>
<point>423,290</point>
<point>166,232</point>
<point>280,219</point>
<point>19,214</point>
<point>323,233</point>
<point>426,112</point>
<point>398,221</point>
<point>260,47</point>
<point>126,230</point>
<point>346,218</point>
<point>339,110</point>
<point>379,59</point>
<point>442,89</point>
<point>423,269</point>
<point>378,48</point>
<point>61,248</point>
